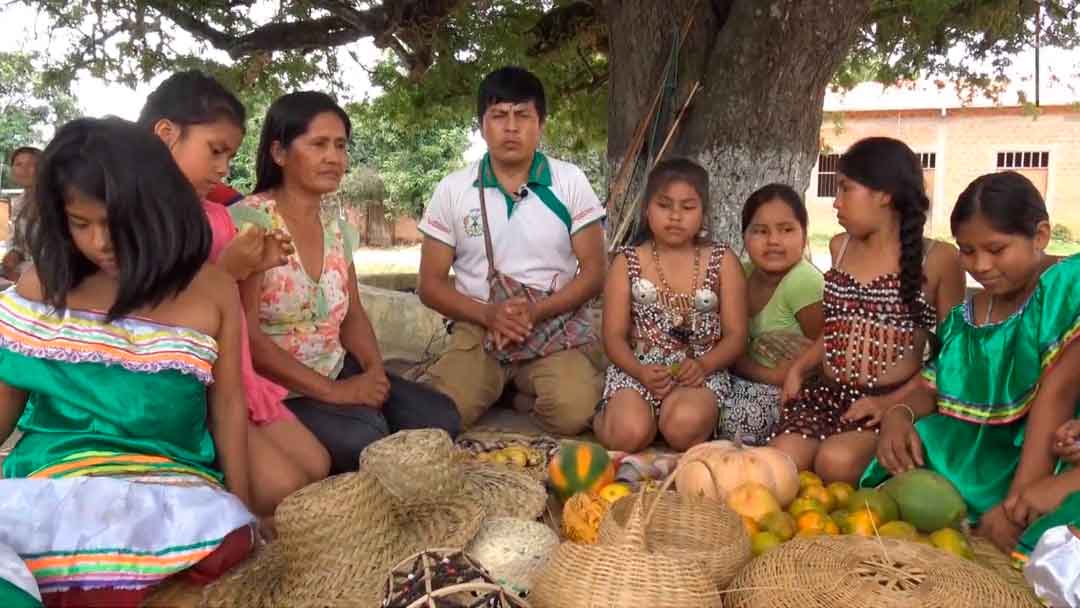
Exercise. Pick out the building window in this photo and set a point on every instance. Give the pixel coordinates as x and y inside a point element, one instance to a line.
<point>1023,160</point>
<point>928,160</point>
<point>826,183</point>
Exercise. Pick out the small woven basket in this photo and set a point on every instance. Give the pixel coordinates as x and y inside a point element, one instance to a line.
<point>624,574</point>
<point>444,578</point>
<point>692,527</point>
<point>513,551</point>
<point>831,571</point>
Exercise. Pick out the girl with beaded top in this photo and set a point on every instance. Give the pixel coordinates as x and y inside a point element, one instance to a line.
<point>887,290</point>
<point>669,329</point>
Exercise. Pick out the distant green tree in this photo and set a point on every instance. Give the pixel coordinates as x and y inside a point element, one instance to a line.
<point>409,160</point>
<point>29,108</point>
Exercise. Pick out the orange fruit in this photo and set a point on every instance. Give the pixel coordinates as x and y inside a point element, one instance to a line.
<point>750,525</point>
<point>841,492</point>
<point>802,505</point>
<point>812,523</point>
<point>862,523</point>
<point>779,523</point>
<point>753,500</point>
<point>831,528</point>
<point>809,478</point>
<point>820,494</point>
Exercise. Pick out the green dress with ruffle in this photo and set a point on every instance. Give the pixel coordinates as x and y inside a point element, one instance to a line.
<point>987,377</point>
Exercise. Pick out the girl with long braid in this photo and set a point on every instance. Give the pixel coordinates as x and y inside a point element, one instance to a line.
<point>887,290</point>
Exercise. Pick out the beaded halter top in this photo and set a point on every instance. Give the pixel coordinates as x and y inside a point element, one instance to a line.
<point>868,327</point>
<point>671,321</point>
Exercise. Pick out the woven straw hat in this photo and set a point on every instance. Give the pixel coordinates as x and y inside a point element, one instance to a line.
<point>338,538</point>
<point>830,571</point>
<point>513,551</point>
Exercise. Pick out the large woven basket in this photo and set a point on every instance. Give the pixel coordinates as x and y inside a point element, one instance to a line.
<point>627,573</point>
<point>835,571</point>
<point>692,527</point>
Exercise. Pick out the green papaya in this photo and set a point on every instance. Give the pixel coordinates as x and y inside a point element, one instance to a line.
<point>927,500</point>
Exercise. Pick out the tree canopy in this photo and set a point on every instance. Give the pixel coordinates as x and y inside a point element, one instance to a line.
<point>435,51</point>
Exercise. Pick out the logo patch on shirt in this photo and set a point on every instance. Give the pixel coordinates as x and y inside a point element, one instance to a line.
<point>474,225</point>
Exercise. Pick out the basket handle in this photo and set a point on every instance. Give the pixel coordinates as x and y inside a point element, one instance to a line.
<point>635,528</point>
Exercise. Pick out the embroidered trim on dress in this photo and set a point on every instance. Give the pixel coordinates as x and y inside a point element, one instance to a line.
<point>137,345</point>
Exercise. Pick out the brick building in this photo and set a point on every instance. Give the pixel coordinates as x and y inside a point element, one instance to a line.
<point>957,140</point>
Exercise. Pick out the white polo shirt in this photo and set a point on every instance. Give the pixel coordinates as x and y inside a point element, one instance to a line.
<point>531,237</point>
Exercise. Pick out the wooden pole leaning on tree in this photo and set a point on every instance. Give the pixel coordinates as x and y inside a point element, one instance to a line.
<point>622,178</point>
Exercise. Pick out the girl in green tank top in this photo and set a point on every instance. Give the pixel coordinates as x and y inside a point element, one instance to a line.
<point>784,293</point>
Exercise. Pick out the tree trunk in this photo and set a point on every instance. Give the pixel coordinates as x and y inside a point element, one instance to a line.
<point>764,68</point>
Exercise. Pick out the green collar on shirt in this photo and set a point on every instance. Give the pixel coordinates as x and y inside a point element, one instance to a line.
<point>539,182</point>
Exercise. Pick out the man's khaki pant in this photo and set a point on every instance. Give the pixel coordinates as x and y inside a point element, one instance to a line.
<point>566,384</point>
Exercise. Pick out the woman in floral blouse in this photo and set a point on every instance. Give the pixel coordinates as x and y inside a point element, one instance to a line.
<point>309,331</point>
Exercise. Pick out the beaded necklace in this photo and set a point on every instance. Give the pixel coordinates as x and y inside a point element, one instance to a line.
<point>679,306</point>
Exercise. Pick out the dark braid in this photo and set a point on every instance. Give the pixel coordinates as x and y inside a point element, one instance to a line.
<point>912,207</point>
<point>888,165</point>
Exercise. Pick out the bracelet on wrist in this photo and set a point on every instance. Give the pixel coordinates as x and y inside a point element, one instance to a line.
<point>906,407</point>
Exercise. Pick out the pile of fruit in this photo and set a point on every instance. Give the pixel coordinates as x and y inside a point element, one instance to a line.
<point>917,506</point>
<point>516,455</point>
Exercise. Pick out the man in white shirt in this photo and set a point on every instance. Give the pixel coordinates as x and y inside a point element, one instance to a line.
<point>546,233</point>
<point>23,163</point>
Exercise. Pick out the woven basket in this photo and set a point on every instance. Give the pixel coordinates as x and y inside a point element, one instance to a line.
<point>626,574</point>
<point>513,551</point>
<point>1002,565</point>
<point>504,492</point>
<point>444,578</point>
<point>691,527</point>
<point>834,571</point>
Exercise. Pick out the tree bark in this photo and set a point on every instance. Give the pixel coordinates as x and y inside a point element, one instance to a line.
<point>764,67</point>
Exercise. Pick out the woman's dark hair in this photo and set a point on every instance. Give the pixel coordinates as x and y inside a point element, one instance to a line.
<point>774,192</point>
<point>157,224</point>
<point>1008,200</point>
<point>17,152</point>
<point>888,165</point>
<point>288,118</point>
<point>665,172</point>
<point>191,98</point>
<point>511,84</point>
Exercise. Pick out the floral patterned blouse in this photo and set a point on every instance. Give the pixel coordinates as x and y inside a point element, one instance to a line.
<point>300,315</point>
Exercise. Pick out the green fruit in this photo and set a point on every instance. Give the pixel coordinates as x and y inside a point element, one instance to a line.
<point>927,500</point>
<point>763,542</point>
<point>880,503</point>
<point>899,529</point>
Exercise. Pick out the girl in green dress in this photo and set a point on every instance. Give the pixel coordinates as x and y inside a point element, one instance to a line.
<point>119,363</point>
<point>985,412</point>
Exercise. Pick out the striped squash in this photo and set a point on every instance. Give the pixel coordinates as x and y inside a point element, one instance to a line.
<point>580,467</point>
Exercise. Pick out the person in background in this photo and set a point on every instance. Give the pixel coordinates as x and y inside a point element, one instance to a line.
<point>23,163</point>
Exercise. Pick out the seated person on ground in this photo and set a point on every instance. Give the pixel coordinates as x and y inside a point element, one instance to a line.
<point>540,220</point>
<point>119,361</point>
<point>308,329</point>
